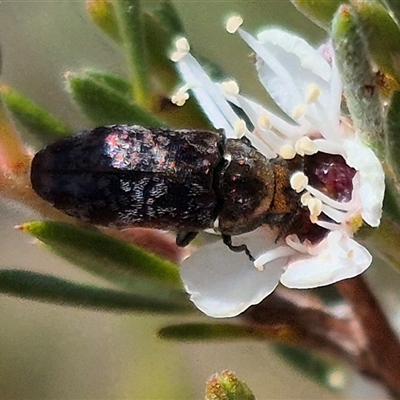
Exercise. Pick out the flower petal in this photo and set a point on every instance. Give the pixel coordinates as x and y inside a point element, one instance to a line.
<point>338,258</point>
<point>287,67</point>
<point>372,179</point>
<point>222,283</point>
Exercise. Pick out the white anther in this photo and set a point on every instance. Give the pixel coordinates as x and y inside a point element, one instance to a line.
<point>233,23</point>
<point>259,266</point>
<point>176,56</point>
<point>315,206</point>
<point>240,128</point>
<point>298,181</point>
<point>305,146</point>
<point>180,97</point>
<point>264,122</point>
<point>313,93</point>
<point>182,45</point>
<point>230,88</point>
<point>299,111</point>
<point>182,48</point>
<point>287,152</point>
<point>305,198</point>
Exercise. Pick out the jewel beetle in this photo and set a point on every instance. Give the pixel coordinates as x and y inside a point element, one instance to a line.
<point>184,181</point>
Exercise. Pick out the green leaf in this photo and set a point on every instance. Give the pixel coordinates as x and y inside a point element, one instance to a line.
<point>204,331</point>
<point>384,242</point>
<point>112,81</point>
<point>320,12</point>
<point>391,203</point>
<point>159,45</point>
<point>394,7</point>
<point>226,331</point>
<point>37,120</point>
<point>383,36</point>
<point>104,105</point>
<point>47,288</point>
<point>227,386</point>
<point>322,370</point>
<point>359,80</point>
<point>130,22</point>
<point>125,265</point>
<point>169,16</point>
<point>103,15</point>
<point>393,138</point>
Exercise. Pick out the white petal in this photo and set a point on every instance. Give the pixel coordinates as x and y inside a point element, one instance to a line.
<point>311,58</point>
<point>288,66</point>
<point>372,179</point>
<point>222,283</point>
<point>339,258</point>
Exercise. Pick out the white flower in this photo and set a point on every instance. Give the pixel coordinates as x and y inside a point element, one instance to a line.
<point>307,88</point>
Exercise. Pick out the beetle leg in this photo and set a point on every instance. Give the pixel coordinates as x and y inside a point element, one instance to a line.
<point>237,249</point>
<point>183,238</point>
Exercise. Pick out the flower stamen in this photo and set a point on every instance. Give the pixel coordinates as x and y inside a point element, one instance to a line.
<point>313,93</point>
<point>299,112</point>
<point>240,128</point>
<point>182,48</point>
<point>327,200</point>
<point>180,96</point>
<point>230,88</point>
<point>264,122</point>
<point>287,152</point>
<point>298,181</point>
<point>233,23</point>
<point>305,146</point>
<point>270,255</point>
<point>315,206</point>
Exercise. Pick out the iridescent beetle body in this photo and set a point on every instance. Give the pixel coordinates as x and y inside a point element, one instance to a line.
<point>179,180</point>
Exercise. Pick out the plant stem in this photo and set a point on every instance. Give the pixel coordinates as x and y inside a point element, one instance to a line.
<point>383,342</point>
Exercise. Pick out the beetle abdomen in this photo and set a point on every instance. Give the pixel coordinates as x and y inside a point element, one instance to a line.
<point>129,175</point>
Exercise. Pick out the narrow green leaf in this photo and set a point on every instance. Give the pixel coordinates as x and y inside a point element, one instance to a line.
<point>130,22</point>
<point>125,265</point>
<point>352,58</point>
<point>50,289</point>
<point>104,105</point>
<point>227,386</point>
<point>320,12</point>
<point>393,138</point>
<point>37,120</point>
<point>225,331</point>
<point>384,242</point>
<point>207,332</point>
<point>394,7</point>
<point>382,34</point>
<point>169,16</point>
<point>322,370</point>
<point>103,15</point>
<point>159,44</point>
<point>114,82</point>
<point>391,203</point>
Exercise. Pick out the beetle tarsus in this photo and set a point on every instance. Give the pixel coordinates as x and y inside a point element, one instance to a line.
<point>237,249</point>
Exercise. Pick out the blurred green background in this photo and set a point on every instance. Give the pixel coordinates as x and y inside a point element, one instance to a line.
<point>54,352</point>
